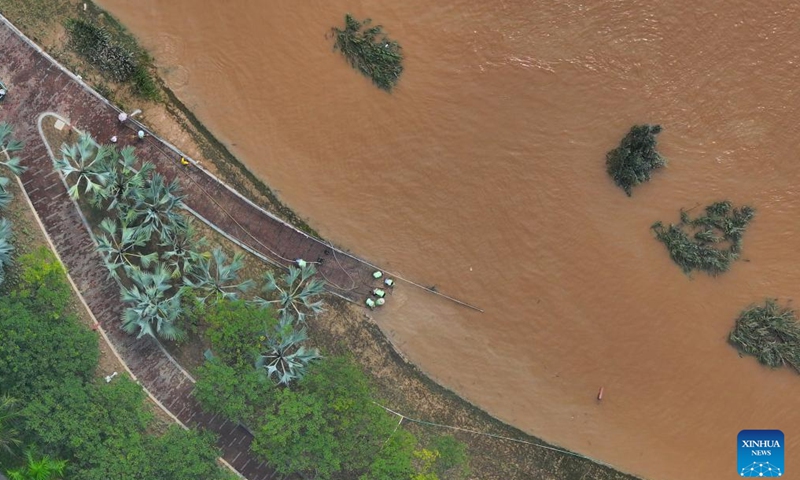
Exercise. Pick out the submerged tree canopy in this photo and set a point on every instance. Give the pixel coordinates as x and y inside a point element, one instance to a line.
<point>708,242</point>
<point>369,51</point>
<point>770,333</point>
<point>632,161</point>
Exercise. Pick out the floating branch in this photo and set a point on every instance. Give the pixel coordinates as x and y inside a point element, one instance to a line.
<point>631,163</point>
<point>709,242</point>
<point>370,52</point>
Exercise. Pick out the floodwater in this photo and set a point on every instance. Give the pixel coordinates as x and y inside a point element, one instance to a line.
<point>483,174</point>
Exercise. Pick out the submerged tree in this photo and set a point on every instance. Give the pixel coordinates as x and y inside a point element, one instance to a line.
<point>369,51</point>
<point>770,333</point>
<point>298,294</point>
<point>709,242</point>
<point>632,161</point>
<point>88,163</point>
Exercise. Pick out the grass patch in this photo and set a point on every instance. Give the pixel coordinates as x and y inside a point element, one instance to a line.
<point>631,163</point>
<point>709,242</point>
<point>369,51</point>
<point>120,60</point>
<point>770,333</point>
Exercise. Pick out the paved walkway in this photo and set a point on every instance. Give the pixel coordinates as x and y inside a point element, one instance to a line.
<point>38,85</point>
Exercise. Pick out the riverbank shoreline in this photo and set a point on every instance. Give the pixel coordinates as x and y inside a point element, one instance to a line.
<point>235,173</point>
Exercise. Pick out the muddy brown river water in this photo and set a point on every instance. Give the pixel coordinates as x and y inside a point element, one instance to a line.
<point>483,174</point>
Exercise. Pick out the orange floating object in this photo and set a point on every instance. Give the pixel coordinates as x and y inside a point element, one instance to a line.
<point>600,393</point>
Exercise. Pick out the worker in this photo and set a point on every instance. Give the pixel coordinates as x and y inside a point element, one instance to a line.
<point>184,162</point>
<point>140,134</point>
<point>2,93</point>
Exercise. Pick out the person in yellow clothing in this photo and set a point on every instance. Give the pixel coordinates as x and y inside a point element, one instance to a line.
<point>184,162</point>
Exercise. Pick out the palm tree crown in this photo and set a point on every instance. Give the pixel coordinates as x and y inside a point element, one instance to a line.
<point>87,162</point>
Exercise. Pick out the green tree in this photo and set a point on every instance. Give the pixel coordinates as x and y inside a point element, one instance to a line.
<point>184,455</point>
<point>125,181</point>
<point>238,394</point>
<point>297,293</point>
<point>36,349</point>
<point>236,329</point>
<point>180,252</point>
<point>86,161</point>
<point>452,461</point>
<point>38,468</point>
<point>283,358</point>
<point>152,308</point>
<point>43,284</point>
<point>9,418</point>
<point>123,246</point>
<point>6,248</point>
<point>216,279</point>
<point>394,461</point>
<point>328,424</point>
<point>157,207</point>
<point>9,145</point>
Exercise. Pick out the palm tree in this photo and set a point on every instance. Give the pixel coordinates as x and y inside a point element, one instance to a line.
<point>283,358</point>
<point>9,435</point>
<point>151,308</point>
<point>41,468</point>
<point>215,278</point>
<point>124,180</point>
<point>86,160</point>
<point>157,207</point>
<point>121,246</point>
<point>181,252</point>
<point>6,248</point>
<point>296,298</point>
<point>9,145</point>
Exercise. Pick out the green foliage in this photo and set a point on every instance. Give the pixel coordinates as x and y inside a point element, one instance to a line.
<point>36,348</point>
<point>153,306</point>
<point>770,333</point>
<point>183,455</point>
<point>38,468</point>
<point>6,248</point>
<point>297,293</point>
<point>144,85</point>
<point>631,163</point>
<point>283,358</point>
<point>215,279</point>
<point>9,419</point>
<point>43,283</point>
<point>369,51</point>
<point>87,162</point>
<point>328,424</point>
<point>453,461</point>
<point>8,145</point>
<point>238,394</point>
<point>95,44</point>
<point>393,462</point>
<point>236,329</point>
<point>710,242</point>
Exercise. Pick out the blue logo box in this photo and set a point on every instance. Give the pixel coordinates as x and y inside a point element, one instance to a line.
<point>760,453</point>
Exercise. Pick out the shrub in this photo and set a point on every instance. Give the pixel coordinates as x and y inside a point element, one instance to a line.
<point>43,283</point>
<point>631,163</point>
<point>709,242</point>
<point>370,52</point>
<point>770,333</point>
<point>237,394</point>
<point>236,328</point>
